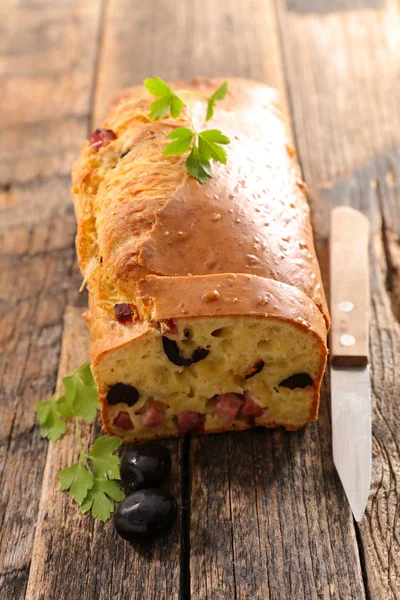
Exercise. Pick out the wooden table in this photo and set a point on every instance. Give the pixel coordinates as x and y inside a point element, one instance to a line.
<point>263,513</point>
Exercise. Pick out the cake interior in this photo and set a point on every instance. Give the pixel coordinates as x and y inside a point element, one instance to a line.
<point>211,374</point>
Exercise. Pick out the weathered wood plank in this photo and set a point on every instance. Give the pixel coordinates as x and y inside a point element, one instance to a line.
<point>47,57</point>
<point>199,38</point>
<point>268,516</point>
<point>109,568</point>
<point>342,66</point>
<point>282,527</point>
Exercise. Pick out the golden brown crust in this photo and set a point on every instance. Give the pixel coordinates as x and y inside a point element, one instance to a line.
<point>149,233</point>
<point>164,298</point>
<point>229,294</point>
<point>144,214</point>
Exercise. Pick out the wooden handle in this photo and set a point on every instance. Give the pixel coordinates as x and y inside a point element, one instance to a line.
<point>350,295</point>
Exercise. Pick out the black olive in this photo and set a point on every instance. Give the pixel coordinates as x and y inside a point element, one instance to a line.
<point>254,370</point>
<point>121,392</point>
<point>300,380</point>
<point>146,465</point>
<point>145,514</point>
<point>199,354</point>
<point>216,332</point>
<point>171,349</point>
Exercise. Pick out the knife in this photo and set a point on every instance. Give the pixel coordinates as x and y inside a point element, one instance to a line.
<point>350,375</point>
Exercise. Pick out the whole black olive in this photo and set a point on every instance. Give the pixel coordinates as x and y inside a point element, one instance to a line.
<point>146,465</point>
<point>145,514</point>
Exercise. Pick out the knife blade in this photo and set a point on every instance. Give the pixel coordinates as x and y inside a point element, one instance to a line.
<point>350,374</point>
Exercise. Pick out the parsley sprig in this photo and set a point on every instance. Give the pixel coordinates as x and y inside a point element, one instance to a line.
<point>79,399</point>
<point>204,145</point>
<point>95,477</point>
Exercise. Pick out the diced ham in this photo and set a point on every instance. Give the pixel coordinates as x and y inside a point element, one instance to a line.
<point>152,416</point>
<point>168,327</point>
<point>188,420</point>
<point>228,406</point>
<point>250,408</point>
<point>100,137</point>
<point>125,312</point>
<point>123,421</point>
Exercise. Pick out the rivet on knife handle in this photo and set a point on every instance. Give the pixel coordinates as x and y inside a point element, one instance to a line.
<point>350,296</point>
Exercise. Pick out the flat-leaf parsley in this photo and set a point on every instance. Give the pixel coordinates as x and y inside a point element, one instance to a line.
<point>95,477</point>
<point>203,145</point>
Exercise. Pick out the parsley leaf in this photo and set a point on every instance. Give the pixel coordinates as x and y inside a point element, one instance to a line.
<point>86,401</point>
<point>65,406</point>
<point>92,491</point>
<point>160,107</point>
<point>105,464</point>
<point>198,166</point>
<point>183,138</point>
<point>218,95</point>
<point>209,145</point>
<point>214,135</point>
<point>52,426</point>
<point>77,480</point>
<point>204,145</point>
<point>80,399</point>
<point>157,86</point>
<point>97,499</point>
<point>176,106</point>
<point>90,486</point>
<point>167,101</point>
<point>80,395</point>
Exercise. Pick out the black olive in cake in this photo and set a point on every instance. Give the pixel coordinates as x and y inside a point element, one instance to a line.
<point>122,392</point>
<point>254,370</point>
<point>199,354</point>
<point>300,380</point>
<point>172,350</point>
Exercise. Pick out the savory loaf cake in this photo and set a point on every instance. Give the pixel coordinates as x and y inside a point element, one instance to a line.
<point>206,307</point>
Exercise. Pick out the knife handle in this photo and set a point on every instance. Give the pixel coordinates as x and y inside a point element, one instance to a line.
<point>350,294</point>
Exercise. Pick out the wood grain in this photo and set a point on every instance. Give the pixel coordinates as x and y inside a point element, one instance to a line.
<point>47,58</point>
<point>343,92</point>
<point>170,40</point>
<point>108,567</point>
<point>350,291</point>
<point>269,518</point>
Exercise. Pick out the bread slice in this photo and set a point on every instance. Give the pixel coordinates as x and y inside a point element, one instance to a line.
<point>206,306</point>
